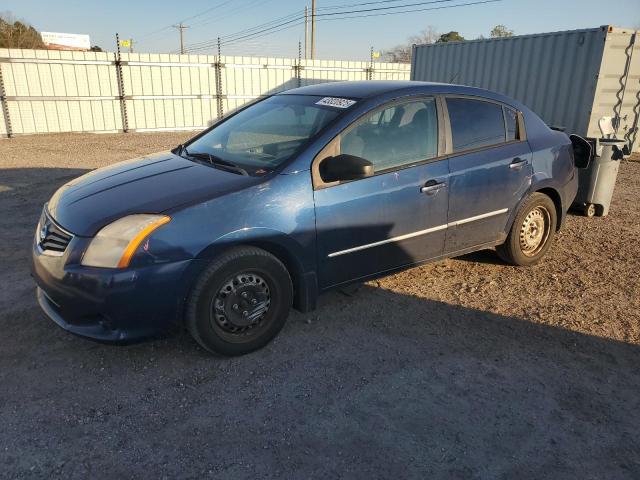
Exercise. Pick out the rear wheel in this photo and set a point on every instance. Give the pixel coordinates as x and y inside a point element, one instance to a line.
<point>531,233</point>
<point>240,302</point>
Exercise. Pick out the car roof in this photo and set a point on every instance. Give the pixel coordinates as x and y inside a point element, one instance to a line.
<point>356,89</point>
<point>371,88</point>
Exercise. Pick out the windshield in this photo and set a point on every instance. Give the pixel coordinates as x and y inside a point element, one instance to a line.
<point>266,134</point>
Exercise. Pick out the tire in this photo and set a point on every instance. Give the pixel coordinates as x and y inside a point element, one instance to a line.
<point>239,302</point>
<point>532,231</point>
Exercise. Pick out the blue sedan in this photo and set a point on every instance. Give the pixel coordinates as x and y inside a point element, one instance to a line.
<point>303,191</point>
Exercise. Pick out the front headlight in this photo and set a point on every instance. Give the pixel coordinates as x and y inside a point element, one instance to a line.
<point>115,244</point>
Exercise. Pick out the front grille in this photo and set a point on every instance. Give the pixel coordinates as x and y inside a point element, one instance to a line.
<point>52,238</point>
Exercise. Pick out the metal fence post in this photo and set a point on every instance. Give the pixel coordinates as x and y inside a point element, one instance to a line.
<point>298,68</point>
<point>218,66</point>
<point>123,103</point>
<point>5,106</point>
<point>370,72</point>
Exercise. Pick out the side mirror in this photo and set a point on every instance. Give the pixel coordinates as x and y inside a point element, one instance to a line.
<point>345,167</point>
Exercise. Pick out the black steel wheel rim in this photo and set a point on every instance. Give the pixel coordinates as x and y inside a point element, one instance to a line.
<point>241,306</point>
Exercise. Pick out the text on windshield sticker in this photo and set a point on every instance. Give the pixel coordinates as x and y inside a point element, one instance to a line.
<point>336,102</point>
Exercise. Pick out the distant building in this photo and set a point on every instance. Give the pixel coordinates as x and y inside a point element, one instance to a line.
<point>66,41</point>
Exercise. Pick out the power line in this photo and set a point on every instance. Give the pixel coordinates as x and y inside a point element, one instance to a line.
<point>250,31</point>
<point>230,13</point>
<point>235,42</point>
<point>384,8</point>
<point>337,16</point>
<point>167,27</point>
<point>206,11</point>
<point>250,36</point>
<point>228,37</point>
<point>444,7</point>
<point>325,14</point>
<point>333,7</point>
<point>297,14</point>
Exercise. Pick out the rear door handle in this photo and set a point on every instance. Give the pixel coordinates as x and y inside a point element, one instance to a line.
<point>518,163</point>
<point>432,187</point>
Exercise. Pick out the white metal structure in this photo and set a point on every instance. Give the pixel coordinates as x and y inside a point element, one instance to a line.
<point>58,91</point>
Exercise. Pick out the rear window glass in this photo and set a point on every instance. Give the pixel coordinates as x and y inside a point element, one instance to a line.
<point>475,123</point>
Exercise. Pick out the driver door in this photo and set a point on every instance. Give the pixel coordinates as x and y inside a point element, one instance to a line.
<point>394,218</point>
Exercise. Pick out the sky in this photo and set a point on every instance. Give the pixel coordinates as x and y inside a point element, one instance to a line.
<point>149,22</point>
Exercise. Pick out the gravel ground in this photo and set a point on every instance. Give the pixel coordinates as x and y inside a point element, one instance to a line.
<point>465,368</point>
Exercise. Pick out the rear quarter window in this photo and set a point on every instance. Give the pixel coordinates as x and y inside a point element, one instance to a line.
<point>511,119</point>
<point>475,123</point>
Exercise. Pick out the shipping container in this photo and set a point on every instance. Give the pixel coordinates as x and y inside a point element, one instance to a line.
<point>570,78</point>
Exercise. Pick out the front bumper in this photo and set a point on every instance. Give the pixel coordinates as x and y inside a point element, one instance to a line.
<point>113,306</point>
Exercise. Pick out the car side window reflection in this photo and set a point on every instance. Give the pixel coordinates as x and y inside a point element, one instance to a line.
<point>475,123</point>
<point>398,135</point>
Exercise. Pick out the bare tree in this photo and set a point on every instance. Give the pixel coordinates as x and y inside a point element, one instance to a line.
<point>17,34</point>
<point>402,53</point>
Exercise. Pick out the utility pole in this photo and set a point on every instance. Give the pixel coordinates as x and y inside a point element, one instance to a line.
<point>306,28</point>
<point>181,29</point>
<point>131,45</point>
<point>313,29</point>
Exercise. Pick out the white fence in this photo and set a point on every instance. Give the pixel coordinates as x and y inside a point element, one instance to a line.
<point>47,91</point>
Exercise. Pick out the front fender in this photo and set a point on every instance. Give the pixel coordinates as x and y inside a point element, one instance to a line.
<point>283,246</point>
<point>296,257</point>
<point>254,236</point>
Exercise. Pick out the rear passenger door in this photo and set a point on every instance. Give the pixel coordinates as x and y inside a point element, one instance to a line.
<point>490,170</point>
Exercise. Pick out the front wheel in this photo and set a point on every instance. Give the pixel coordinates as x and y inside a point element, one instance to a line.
<point>531,233</point>
<point>240,302</point>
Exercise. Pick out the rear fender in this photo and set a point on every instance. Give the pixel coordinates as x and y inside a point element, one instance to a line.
<point>549,188</point>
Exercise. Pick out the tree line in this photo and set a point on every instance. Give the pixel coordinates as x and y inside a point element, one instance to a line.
<point>19,34</point>
<point>402,53</point>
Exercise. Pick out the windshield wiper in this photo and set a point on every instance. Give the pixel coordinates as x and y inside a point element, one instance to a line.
<point>216,161</point>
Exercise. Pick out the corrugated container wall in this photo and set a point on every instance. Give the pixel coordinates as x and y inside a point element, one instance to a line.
<point>569,78</point>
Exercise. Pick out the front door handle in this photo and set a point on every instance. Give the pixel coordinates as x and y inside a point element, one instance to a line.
<point>432,187</point>
<point>518,163</point>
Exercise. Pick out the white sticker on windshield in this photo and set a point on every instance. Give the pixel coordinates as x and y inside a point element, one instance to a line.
<point>336,102</point>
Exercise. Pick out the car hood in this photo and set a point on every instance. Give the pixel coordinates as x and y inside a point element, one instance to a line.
<point>151,184</point>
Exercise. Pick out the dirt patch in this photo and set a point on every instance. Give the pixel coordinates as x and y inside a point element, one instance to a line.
<point>466,368</point>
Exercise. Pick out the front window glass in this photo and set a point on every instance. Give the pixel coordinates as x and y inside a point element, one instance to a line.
<point>475,123</point>
<point>398,135</point>
<point>268,133</point>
